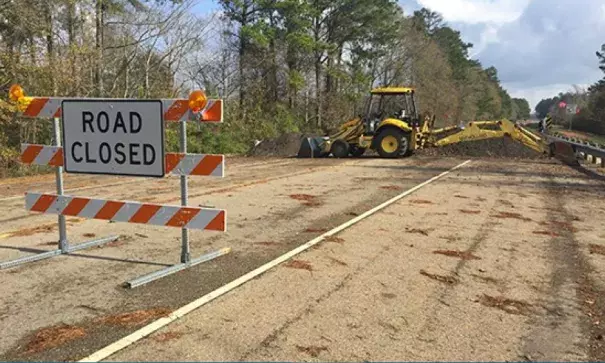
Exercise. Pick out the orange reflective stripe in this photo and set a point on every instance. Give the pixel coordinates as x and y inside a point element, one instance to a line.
<point>207,165</point>
<point>144,214</point>
<point>57,159</point>
<point>176,110</point>
<point>29,155</point>
<point>35,106</point>
<point>182,217</point>
<point>109,210</point>
<point>172,160</point>
<point>213,113</point>
<point>75,206</point>
<point>44,202</point>
<point>218,223</point>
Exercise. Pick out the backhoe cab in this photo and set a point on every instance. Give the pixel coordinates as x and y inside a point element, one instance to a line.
<point>388,127</point>
<point>390,121</point>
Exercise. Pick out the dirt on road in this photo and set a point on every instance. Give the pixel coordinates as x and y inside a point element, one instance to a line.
<point>284,145</point>
<point>494,148</point>
<point>458,270</point>
<point>483,287</point>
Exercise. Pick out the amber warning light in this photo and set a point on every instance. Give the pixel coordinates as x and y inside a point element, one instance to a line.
<point>197,101</point>
<point>15,93</point>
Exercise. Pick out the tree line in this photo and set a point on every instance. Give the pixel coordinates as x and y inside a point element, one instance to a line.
<point>281,65</point>
<point>580,109</point>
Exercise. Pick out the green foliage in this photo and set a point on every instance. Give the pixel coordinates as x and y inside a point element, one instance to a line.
<point>478,90</point>
<point>522,108</point>
<point>544,106</point>
<point>281,65</point>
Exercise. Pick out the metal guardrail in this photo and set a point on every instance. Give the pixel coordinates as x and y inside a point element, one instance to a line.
<point>593,153</point>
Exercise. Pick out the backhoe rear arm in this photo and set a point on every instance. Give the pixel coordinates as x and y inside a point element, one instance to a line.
<point>481,130</point>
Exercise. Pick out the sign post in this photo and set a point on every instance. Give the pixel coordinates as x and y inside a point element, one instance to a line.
<point>63,244</point>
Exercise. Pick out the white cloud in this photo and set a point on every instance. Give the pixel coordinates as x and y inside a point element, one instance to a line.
<point>549,44</point>
<point>488,36</point>
<point>540,47</point>
<point>477,11</point>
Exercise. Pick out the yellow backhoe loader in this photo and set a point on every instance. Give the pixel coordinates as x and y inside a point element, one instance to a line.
<point>391,126</point>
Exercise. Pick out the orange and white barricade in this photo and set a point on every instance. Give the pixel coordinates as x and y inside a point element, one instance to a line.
<point>126,119</point>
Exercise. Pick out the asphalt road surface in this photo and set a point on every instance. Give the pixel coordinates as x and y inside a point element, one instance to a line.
<point>498,260</point>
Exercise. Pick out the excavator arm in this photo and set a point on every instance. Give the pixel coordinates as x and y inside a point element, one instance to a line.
<point>320,146</point>
<point>349,131</point>
<point>481,130</point>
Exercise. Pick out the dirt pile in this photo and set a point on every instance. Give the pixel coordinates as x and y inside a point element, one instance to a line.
<point>284,145</point>
<point>495,148</point>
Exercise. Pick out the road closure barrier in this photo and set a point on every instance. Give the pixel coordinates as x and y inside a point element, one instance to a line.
<point>123,137</point>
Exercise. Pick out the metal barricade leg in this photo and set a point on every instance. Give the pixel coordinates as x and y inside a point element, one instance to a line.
<point>64,247</point>
<point>186,260</point>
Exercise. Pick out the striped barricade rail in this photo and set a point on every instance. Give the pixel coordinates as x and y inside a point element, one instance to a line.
<point>174,109</point>
<point>175,163</point>
<point>130,212</point>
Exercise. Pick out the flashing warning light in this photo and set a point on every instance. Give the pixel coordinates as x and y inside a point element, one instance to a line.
<point>197,101</point>
<point>15,93</point>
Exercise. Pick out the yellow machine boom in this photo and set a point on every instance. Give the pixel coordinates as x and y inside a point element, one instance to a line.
<point>429,137</point>
<point>481,130</point>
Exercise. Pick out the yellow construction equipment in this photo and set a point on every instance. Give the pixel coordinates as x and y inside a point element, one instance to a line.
<point>391,127</point>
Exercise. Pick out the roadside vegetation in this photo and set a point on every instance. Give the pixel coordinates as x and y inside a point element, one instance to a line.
<point>281,65</point>
<point>581,109</point>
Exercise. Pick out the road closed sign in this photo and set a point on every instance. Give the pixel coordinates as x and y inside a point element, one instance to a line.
<point>116,137</point>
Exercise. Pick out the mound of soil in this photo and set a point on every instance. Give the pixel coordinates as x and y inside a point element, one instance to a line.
<point>284,145</point>
<point>288,144</point>
<point>495,148</point>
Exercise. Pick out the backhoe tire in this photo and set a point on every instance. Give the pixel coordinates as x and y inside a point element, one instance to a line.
<point>392,143</point>
<point>357,151</point>
<point>340,149</point>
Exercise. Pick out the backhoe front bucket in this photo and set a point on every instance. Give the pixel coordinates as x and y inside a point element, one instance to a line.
<point>311,147</point>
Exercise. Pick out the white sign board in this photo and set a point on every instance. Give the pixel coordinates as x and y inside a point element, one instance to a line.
<point>116,137</point>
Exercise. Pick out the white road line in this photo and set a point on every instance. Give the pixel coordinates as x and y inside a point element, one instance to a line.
<point>184,310</point>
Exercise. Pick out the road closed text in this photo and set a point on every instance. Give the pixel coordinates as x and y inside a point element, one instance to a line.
<point>112,137</point>
<point>119,152</point>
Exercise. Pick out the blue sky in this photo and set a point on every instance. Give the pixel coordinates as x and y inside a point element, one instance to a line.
<point>206,6</point>
<point>540,47</point>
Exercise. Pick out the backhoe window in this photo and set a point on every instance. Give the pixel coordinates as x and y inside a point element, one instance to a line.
<point>374,106</point>
<point>393,105</point>
<point>411,106</point>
